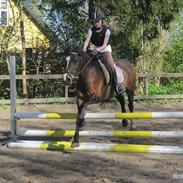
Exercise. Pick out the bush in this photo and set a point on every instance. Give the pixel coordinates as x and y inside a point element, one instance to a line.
<point>169,86</point>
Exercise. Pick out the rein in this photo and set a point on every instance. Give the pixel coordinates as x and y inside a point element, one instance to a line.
<point>85,65</point>
<point>81,70</point>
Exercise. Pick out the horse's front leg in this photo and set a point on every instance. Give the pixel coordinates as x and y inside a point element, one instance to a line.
<point>81,105</point>
<point>80,121</point>
<point>130,95</point>
<point>121,100</point>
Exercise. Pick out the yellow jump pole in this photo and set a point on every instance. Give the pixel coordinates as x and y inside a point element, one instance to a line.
<point>106,147</point>
<point>103,133</point>
<point>117,115</point>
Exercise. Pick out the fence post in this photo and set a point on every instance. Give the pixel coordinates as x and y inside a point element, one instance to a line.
<point>146,86</point>
<point>66,91</point>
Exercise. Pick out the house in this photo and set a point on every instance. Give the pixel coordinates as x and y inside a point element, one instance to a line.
<point>37,33</point>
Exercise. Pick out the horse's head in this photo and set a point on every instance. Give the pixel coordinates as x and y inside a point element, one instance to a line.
<point>73,63</point>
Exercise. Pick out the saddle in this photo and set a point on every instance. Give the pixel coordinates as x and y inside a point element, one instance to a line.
<point>108,73</point>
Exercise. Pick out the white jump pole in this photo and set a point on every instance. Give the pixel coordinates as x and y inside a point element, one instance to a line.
<point>106,147</point>
<point>117,115</point>
<point>103,133</point>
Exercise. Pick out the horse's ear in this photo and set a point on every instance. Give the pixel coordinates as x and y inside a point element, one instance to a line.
<point>67,49</point>
<point>77,49</point>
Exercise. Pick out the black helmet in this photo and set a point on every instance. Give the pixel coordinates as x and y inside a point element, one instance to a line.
<point>98,15</point>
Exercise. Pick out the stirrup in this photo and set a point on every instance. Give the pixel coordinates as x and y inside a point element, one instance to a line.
<point>120,89</point>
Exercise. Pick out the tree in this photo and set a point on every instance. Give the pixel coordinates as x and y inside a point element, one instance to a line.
<point>22,33</point>
<point>173,56</point>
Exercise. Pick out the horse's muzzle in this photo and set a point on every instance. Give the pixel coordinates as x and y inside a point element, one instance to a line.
<point>68,78</point>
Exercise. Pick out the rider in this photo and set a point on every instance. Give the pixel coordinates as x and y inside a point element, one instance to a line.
<point>99,36</point>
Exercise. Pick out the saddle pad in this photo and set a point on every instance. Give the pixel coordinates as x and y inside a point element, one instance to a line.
<point>120,75</point>
<point>105,72</point>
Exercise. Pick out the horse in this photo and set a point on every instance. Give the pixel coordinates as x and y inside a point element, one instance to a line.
<point>91,86</point>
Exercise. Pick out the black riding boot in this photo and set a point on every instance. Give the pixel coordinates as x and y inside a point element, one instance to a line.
<point>117,86</point>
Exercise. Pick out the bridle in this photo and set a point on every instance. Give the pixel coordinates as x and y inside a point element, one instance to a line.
<point>85,65</point>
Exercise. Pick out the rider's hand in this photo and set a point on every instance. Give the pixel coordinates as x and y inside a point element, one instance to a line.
<point>84,49</point>
<point>94,52</point>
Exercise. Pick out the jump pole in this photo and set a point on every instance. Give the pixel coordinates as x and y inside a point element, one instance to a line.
<point>103,133</point>
<point>117,115</point>
<point>106,147</point>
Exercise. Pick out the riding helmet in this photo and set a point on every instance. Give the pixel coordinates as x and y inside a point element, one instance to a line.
<point>98,15</point>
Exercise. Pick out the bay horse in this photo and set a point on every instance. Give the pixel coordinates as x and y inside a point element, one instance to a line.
<point>91,87</point>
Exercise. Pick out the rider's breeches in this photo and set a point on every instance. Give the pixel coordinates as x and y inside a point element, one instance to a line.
<point>108,58</point>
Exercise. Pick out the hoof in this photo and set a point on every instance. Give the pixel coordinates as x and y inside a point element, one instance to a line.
<point>81,128</point>
<point>124,123</point>
<point>75,144</point>
<point>81,123</point>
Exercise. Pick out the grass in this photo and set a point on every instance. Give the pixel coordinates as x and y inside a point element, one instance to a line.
<point>4,106</point>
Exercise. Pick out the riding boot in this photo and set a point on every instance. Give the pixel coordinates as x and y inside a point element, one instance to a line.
<point>117,86</point>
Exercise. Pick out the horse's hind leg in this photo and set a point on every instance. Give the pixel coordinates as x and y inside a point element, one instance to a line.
<point>130,95</point>
<point>80,120</point>
<point>121,100</point>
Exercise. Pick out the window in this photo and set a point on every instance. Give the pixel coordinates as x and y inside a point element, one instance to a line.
<point>3,12</point>
<point>3,5</point>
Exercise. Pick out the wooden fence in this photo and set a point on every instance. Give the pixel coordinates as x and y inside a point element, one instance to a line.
<point>145,76</point>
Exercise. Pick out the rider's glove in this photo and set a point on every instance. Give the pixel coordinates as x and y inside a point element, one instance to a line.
<point>94,52</point>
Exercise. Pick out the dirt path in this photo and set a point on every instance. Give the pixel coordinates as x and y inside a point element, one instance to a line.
<point>36,166</point>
